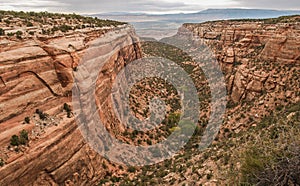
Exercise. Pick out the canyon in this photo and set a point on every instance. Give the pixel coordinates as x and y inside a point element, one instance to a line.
<point>260,62</point>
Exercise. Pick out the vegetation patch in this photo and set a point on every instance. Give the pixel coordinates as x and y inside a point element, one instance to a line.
<point>22,139</point>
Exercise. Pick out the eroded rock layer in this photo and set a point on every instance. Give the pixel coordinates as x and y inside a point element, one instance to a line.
<point>39,74</point>
<point>253,54</point>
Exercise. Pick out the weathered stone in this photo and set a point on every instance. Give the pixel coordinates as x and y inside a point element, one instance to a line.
<point>40,76</point>
<point>245,42</point>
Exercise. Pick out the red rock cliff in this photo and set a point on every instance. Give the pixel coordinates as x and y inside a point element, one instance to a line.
<point>38,74</point>
<point>256,56</point>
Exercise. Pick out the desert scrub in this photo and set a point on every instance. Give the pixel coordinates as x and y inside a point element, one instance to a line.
<point>270,153</point>
<point>42,115</point>
<point>2,32</point>
<point>131,169</point>
<point>1,162</point>
<point>68,109</point>
<point>14,140</point>
<point>29,18</point>
<point>164,50</point>
<point>22,139</point>
<point>27,120</point>
<point>19,34</point>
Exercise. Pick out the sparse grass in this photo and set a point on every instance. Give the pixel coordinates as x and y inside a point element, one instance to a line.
<point>270,153</point>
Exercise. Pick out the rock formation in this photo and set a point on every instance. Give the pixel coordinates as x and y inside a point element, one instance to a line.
<point>38,74</point>
<point>250,51</point>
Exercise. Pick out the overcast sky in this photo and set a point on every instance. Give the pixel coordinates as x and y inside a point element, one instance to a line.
<point>148,6</point>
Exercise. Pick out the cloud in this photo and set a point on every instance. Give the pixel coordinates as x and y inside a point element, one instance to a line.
<point>122,6</point>
<point>98,6</point>
<point>30,5</point>
<point>267,4</point>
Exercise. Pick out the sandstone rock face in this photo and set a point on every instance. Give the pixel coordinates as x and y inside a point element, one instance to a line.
<point>38,74</point>
<point>250,51</point>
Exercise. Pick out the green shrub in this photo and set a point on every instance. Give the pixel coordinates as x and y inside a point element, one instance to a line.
<point>10,34</point>
<point>19,140</point>
<point>14,141</point>
<point>104,165</point>
<point>262,168</point>
<point>7,21</point>
<point>1,162</point>
<point>27,120</point>
<point>115,179</point>
<point>231,104</point>
<point>173,120</point>
<point>2,32</point>
<point>68,110</point>
<point>149,142</point>
<point>102,182</point>
<point>294,108</point>
<point>253,164</point>
<point>209,176</point>
<point>29,24</point>
<point>131,169</point>
<point>274,157</point>
<point>41,114</point>
<point>65,28</point>
<point>24,137</point>
<point>67,107</point>
<point>19,34</point>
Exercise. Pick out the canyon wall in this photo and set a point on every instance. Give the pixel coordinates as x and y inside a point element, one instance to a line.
<point>256,56</point>
<point>38,73</point>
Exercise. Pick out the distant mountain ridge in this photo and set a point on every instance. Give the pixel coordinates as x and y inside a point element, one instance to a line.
<point>255,13</point>
<point>165,25</point>
<point>212,11</point>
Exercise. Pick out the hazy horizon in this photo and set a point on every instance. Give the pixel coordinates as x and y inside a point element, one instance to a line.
<point>159,26</point>
<point>146,6</point>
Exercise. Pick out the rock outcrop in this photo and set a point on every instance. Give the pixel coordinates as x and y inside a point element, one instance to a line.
<point>38,74</point>
<point>251,53</point>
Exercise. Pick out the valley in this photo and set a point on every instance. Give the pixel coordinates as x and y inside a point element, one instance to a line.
<point>41,143</point>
